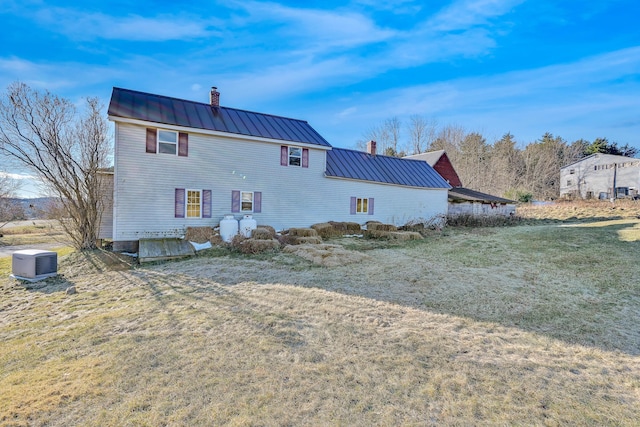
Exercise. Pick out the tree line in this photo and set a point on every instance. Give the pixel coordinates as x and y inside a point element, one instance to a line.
<point>502,167</point>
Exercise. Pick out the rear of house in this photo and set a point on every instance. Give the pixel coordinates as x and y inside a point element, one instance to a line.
<point>182,164</point>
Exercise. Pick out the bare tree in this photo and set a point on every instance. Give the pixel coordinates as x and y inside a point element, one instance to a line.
<point>387,135</point>
<point>10,208</point>
<point>422,133</point>
<point>65,149</point>
<point>542,162</point>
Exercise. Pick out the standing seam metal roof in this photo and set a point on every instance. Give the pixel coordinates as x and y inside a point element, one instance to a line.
<point>342,163</point>
<point>131,104</point>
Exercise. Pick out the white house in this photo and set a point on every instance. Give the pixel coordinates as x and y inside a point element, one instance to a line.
<point>180,163</point>
<point>601,176</point>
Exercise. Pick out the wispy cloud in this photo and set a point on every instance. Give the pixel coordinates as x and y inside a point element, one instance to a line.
<point>88,26</point>
<point>57,76</point>
<point>464,14</point>
<point>318,29</point>
<point>600,88</point>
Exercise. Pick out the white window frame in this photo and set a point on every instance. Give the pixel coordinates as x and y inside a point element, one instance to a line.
<point>291,156</point>
<point>167,142</point>
<point>186,203</point>
<point>242,202</point>
<point>361,209</point>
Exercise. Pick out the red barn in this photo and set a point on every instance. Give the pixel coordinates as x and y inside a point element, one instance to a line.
<point>441,163</point>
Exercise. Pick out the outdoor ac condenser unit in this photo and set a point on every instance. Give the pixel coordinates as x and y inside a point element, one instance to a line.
<point>34,264</point>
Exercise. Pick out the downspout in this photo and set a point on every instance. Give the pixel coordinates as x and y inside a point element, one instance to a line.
<point>615,173</point>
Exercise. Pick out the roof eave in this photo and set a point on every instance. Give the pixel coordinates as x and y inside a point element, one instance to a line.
<point>216,133</point>
<point>385,183</point>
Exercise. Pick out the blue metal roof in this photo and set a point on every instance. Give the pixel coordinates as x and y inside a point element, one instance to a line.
<point>363,166</point>
<point>131,104</point>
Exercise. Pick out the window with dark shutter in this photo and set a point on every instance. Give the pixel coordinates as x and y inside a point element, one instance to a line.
<point>183,144</point>
<point>206,203</point>
<point>257,201</point>
<point>179,202</point>
<point>284,155</point>
<point>305,157</point>
<point>235,201</point>
<point>151,140</point>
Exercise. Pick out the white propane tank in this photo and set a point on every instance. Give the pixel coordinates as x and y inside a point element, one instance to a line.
<point>247,225</point>
<point>228,228</point>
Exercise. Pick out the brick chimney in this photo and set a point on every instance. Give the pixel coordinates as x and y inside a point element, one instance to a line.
<point>214,97</point>
<point>371,147</point>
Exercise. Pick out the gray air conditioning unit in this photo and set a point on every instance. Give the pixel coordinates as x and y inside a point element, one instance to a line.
<point>34,264</point>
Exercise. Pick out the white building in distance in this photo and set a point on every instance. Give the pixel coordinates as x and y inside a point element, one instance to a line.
<point>601,176</point>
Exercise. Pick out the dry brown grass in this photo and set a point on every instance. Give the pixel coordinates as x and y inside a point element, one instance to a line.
<point>303,232</point>
<point>32,234</point>
<point>580,210</point>
<point>199,234</point>
<point>326,230</point>
<point>302,236</point>
<point>377,226</point>
<point>269,228</point>
<point>392,235</point>
<point>528,325</point>
<point>253,246</point>
<point>331,229</point>
<point>326,255</point>
<point>262,233</point>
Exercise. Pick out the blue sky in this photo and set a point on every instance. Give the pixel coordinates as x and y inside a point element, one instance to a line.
<point>571,68</point>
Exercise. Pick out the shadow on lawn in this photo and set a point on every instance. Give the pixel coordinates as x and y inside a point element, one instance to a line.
<point>50,285</point>
<point>569,293</point>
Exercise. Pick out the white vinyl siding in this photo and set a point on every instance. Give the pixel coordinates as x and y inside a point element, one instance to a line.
<point>290,196</point>
<point>106,218</point>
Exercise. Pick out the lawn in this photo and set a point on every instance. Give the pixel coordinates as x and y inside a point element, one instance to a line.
<point>522,325</point>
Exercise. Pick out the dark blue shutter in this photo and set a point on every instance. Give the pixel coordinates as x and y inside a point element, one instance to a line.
<point>206,203</point>
<point>235,201</point>
<point>257,201</point>
<point>183,144</point>
<point>284,155</point>
<point>152,134</point>
<point>305,157</point>
<point>353,206</point>
<point>179,202</point>
<point>371,206</point>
